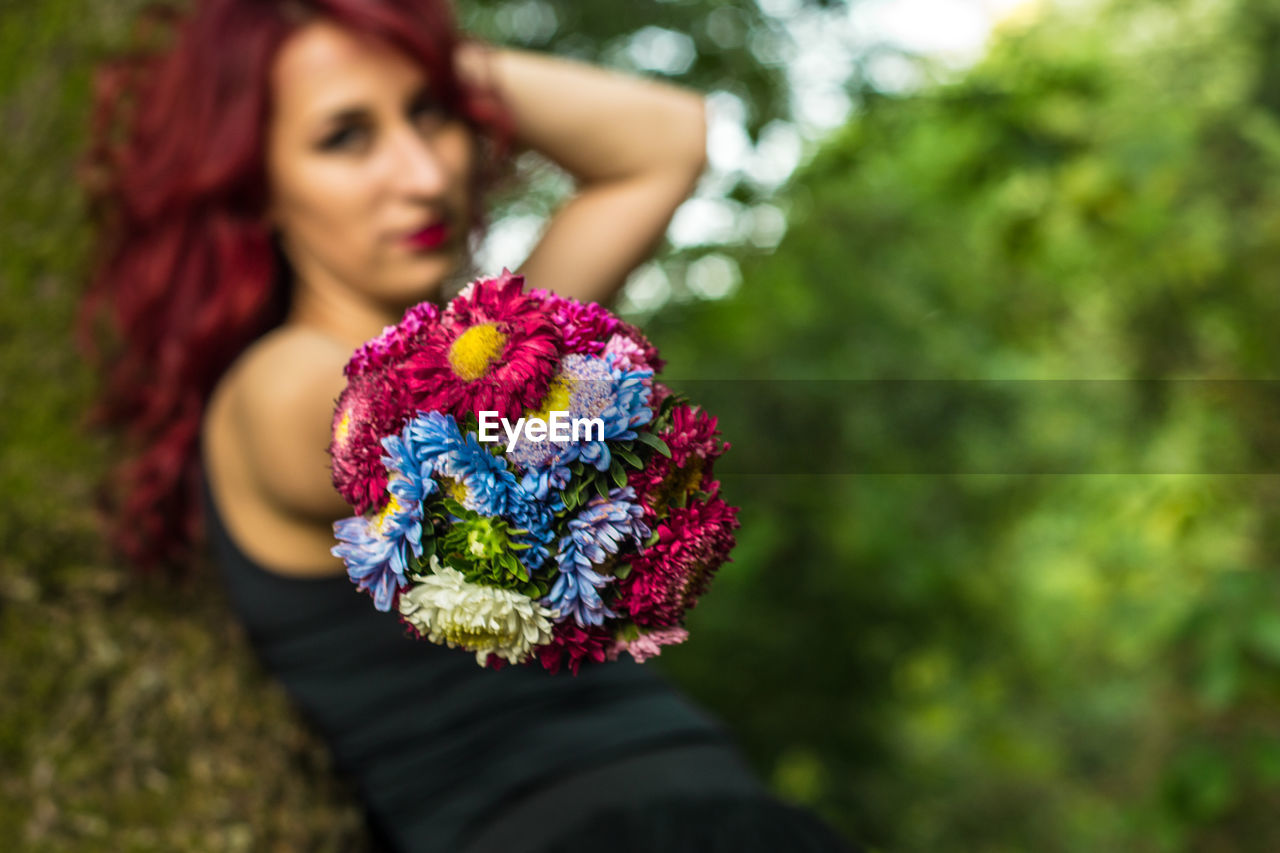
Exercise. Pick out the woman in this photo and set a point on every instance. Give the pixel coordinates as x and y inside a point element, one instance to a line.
<point>283,182</point>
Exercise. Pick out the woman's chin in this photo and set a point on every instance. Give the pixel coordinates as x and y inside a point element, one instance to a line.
<point>429,280</point>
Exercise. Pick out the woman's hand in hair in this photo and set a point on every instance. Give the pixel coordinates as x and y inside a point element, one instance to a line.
<point>635,146</point>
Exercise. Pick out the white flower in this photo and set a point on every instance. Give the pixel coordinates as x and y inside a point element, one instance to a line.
<point>446,607</point>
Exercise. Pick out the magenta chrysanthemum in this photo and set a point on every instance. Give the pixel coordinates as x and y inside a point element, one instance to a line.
<point>667,579</point>
<point>571,645</point>
<point>694,444</point>
<point>371,406</point>
<point>495,349</point>
<point>389,348</point>
<point>585,326</point>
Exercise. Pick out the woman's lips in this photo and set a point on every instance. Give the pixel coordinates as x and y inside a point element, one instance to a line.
<point>430,237</point>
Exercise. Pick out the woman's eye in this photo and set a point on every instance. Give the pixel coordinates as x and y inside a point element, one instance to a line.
<point>344,138</point>
<point>427,112</point>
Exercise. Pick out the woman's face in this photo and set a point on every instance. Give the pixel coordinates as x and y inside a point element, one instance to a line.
<point>369,178</point>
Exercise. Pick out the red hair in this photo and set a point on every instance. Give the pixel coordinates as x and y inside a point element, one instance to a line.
<point>186,273</point>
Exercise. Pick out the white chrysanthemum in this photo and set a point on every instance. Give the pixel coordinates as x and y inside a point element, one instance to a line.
<point>446,607</point>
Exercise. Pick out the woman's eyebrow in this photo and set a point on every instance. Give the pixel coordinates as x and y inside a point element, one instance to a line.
<point>344,114</point>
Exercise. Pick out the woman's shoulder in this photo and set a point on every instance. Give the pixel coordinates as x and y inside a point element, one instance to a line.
<point>266,439</point>
<point>287,365</point>
<point>288,378</point>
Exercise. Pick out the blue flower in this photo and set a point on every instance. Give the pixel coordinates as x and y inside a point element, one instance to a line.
<point>376,548</point>
<point>538,481</point>
<point>597,388</point>
<point>538,517</point>
<point>482,480</point>
<point>484,477</point>
<point>621,401</point>
<point>432,436</point>
<point>600,529</point>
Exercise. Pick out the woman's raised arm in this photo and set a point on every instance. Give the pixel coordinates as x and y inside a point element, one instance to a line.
<point>636,148</point>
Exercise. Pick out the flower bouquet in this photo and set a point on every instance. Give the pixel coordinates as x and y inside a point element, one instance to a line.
<point>525,490</point>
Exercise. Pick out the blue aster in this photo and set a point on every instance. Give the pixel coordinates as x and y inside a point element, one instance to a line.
<point>537,518</point>
<point>376,548</point>
<point>538,481</point>
<point>485,478</point>
<point>598,388</point>
<point>432,436</point>
<point>369,559</point>
<point>599,530</point>
<point>621,401</point>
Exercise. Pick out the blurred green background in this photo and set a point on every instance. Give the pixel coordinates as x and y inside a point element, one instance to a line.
<point>986,651</point>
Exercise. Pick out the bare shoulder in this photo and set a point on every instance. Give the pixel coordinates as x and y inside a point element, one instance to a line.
<point>279,404</point>
<point>294,363</point>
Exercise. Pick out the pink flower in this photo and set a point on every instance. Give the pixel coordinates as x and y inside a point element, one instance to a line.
<point>585,326</point>
<point>494,349</point>
<point>648,644</point>
<point>694,444</point>
<point>669,576</point>
<point>591,328</point>
<point>626,353</point>
<point>372,405</point>
<point>571,645</point>
<point>649,353</point>
<point>389,348</point>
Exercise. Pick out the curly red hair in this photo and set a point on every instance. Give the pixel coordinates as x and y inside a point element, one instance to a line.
<point>186,273</point>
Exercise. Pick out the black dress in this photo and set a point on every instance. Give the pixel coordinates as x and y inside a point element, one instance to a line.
<point>449,757</point>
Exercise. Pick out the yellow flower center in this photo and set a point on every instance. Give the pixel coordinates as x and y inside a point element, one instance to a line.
<point>557,399</point>
<point>693,583</point>
<point>679,481</point>
<point>343,429</point>
<point>455,489</point>
<point>475,636</point>
<point>475,351</point>
<point>393,506</point>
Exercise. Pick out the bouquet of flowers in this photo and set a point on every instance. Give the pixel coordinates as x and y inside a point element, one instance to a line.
<point>525,490</point>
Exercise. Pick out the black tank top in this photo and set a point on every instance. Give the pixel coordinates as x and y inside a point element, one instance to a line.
<point>440,749</point>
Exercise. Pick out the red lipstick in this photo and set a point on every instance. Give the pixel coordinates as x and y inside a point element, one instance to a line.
<point>430,237</point>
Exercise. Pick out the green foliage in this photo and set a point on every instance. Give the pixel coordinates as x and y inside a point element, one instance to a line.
<point>1017,612</point>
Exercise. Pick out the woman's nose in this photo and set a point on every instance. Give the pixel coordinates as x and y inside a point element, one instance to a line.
<point>417,168</point>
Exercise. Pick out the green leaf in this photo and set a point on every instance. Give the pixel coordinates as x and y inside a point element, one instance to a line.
<point>615,471</point>
<point>628,457</point>
<point>656,443</point>
<point>602,489</point>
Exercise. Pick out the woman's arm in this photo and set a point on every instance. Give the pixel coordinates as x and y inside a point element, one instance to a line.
<point>636,147</point>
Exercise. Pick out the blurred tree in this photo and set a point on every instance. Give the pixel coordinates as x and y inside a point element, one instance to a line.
<point>999,610</point>
<point>739,53</point>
